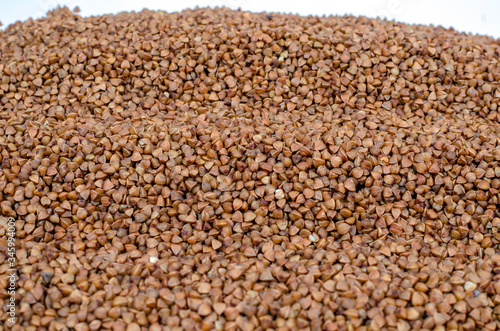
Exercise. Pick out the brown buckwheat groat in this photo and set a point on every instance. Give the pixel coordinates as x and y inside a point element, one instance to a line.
<point>218,169</point>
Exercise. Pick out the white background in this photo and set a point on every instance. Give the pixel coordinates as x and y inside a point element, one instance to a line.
<point>476,16</point>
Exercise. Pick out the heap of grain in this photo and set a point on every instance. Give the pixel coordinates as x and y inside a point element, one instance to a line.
<point>218,169</point>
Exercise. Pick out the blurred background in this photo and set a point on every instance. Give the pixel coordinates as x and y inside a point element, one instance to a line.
<point>478,16</point>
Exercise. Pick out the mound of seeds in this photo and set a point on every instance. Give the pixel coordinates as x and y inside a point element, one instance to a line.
<point>218,169</point>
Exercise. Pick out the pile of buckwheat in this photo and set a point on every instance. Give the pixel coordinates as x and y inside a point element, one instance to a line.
<point>219,169</point>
